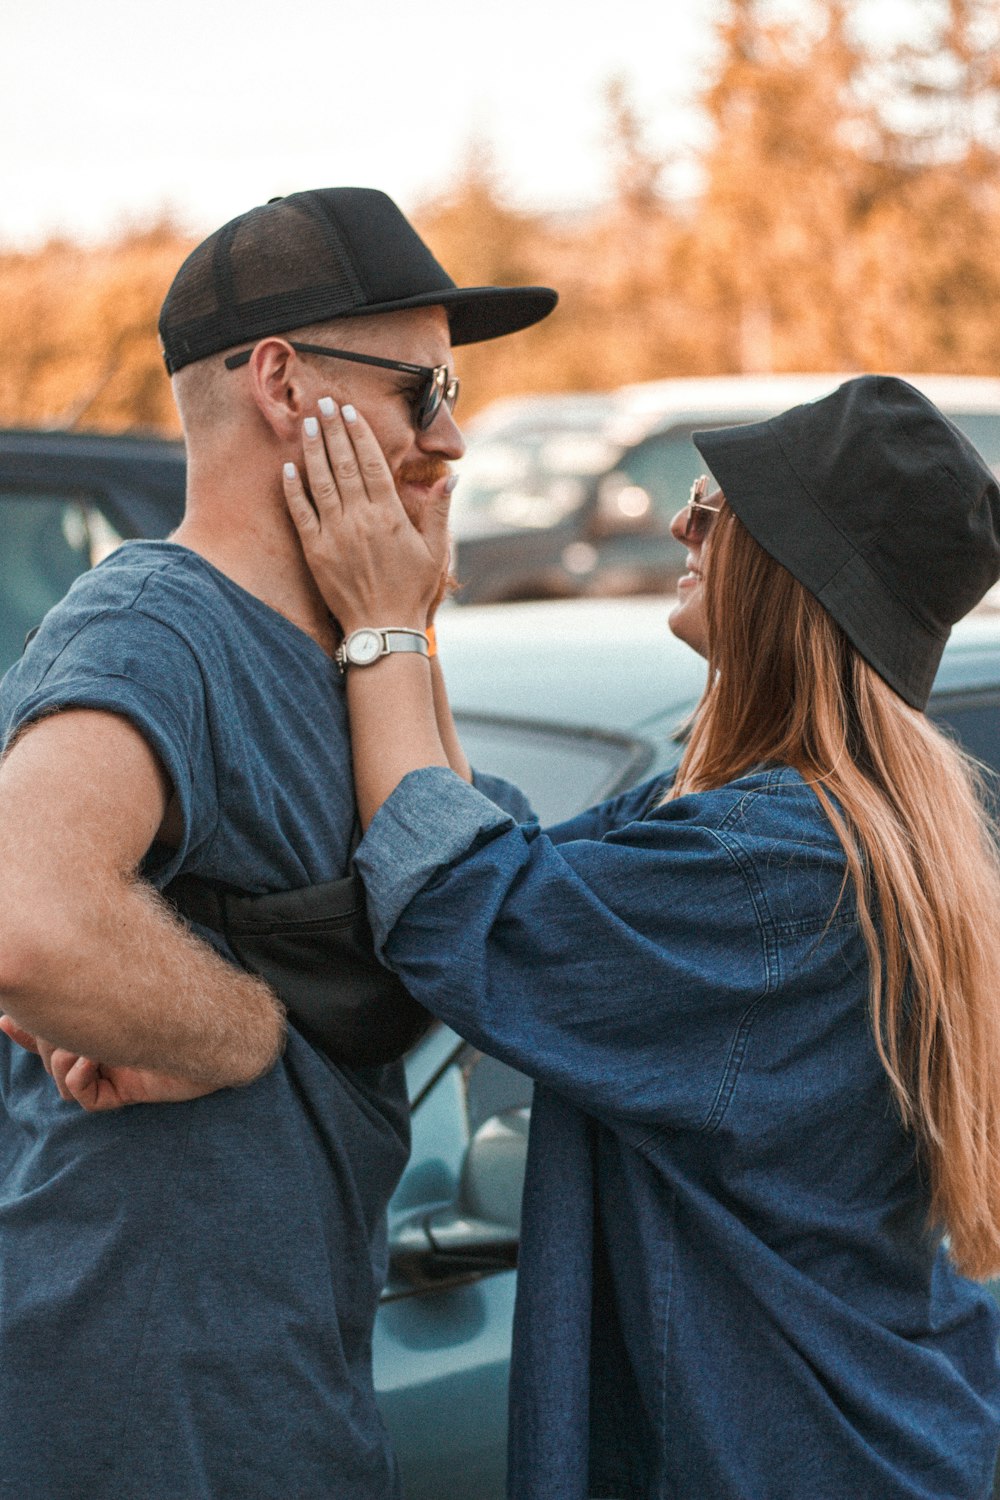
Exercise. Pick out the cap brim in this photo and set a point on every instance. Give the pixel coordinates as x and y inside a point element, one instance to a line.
<point>476,313</point>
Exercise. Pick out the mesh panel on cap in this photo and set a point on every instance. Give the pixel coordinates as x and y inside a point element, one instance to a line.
<point>193,292</point>
<point>277,267</point>
<point>281,249</point>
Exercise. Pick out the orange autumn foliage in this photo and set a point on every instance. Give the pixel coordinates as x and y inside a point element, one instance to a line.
<point>844,216</point>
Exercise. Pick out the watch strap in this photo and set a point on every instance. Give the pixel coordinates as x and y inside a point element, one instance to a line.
<point>405,640</point>
<point>392,637</point>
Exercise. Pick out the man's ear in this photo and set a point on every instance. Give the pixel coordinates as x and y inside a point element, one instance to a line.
<point>278,387</point>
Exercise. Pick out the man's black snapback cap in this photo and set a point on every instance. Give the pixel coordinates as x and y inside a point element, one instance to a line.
<point>319,255</point>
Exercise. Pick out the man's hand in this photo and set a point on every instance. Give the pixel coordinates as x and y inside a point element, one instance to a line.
<point>96,1087</point>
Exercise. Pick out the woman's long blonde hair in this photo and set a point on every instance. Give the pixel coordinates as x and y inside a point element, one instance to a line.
<point>787,687</point>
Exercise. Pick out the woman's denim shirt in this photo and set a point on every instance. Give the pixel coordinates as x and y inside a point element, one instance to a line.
<point>728,1290</point>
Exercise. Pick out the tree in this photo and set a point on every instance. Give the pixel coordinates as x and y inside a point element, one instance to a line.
<point>786,195</point>
<point>78,334</point>
<point>931,278</point>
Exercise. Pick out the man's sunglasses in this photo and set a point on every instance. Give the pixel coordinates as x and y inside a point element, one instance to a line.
<point>700,517</point>
<point>436,387</point>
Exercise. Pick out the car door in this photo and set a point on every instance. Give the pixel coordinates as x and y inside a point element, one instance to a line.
<point>442,1337</point>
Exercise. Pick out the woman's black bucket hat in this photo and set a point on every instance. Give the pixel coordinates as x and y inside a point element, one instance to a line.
<point>316,256</point>
<point>880,507</point>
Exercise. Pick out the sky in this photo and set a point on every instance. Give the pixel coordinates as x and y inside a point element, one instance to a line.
<point>115,110</point>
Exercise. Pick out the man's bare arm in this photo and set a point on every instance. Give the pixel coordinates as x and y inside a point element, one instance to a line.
<point>90,957</point>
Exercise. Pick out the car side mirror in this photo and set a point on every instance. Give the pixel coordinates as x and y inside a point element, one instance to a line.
<point>481,1229</point>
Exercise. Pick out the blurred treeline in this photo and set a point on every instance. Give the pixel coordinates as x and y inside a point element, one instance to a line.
<point>844,215</point>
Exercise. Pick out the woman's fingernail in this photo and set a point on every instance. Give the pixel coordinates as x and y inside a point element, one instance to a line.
<point>311,426</point>
<point>327,405</point>
<point>289,471</point>
<point>348,413</point>
<point>450,483</point>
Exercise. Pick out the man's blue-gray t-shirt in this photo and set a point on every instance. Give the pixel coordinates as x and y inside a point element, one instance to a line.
<point>187,1291</point>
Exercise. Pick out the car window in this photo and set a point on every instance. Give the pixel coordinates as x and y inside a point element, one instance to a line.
<point>665,467</point>
<point>492,1088</point>
<point>48,541</point>
<point>527,480</point>
<point>983,429</point>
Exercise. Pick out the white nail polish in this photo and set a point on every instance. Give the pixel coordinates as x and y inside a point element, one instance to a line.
<point>348,413</point>
<point>289,471</point>
<point>311,426</point>
<point>326,405</point>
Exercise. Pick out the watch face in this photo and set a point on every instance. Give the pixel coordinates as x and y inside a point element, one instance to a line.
<point>363,647</point>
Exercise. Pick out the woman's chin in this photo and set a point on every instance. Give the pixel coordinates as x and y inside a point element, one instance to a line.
<point>686,621</point>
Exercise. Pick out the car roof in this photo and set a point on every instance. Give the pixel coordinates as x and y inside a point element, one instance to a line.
<point>776,392</point>
<point>635,411</point>
<point>971,661</point>
<point>112,444</point>
<point>139,478</point>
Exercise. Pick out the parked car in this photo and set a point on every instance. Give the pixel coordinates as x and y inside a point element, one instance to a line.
<point>562,496</point>
<point>574,701</point>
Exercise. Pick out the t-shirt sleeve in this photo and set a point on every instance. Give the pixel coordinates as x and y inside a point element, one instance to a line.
<point>129,663</point>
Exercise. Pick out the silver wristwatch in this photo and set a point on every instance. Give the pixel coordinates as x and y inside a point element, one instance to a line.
<point>362,647</point>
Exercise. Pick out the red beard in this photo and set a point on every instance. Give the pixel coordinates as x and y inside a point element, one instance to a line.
<point>426,471</point>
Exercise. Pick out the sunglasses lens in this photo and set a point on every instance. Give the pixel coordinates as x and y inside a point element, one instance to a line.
<point>437,390</point>
<point>430,401</point>
<point>698,524</point>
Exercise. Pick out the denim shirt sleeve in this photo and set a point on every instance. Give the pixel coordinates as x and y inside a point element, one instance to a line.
<point>627,807</point>
<point>590,824</point>
<point>426,823</point>
<point>622,972</point>
<point>505,795</point>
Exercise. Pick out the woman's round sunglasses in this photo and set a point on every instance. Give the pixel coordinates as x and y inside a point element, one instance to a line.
<point>436,387</point>
<point>700,517</point>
